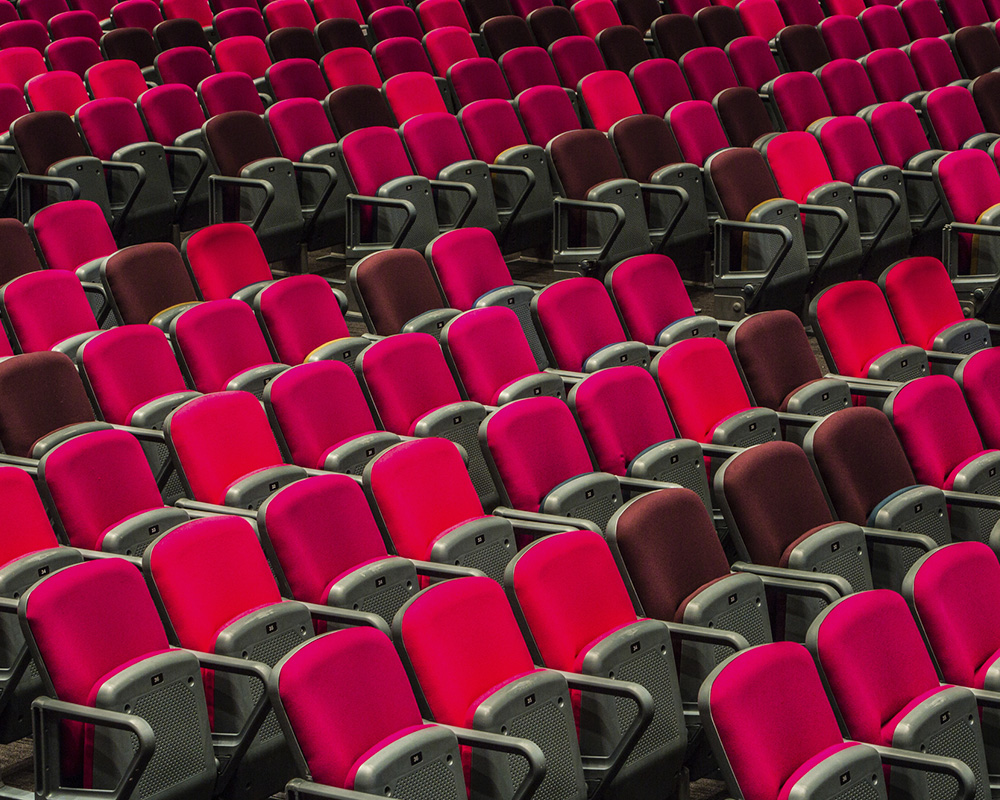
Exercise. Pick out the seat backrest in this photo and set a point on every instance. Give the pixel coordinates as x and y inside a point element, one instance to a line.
<point>491,126</point>
<point>238,138</point>
<point>801,12</point>
<point>29,522</point>
<point>575,57</point>
<point>171,110</point>
<point>855,326</point>
<point>401,54</point>
<point>897,129</point>
<point>59,90</point>
<point>775,355</point>
<point>923,18</point>
<point>867,680</point>
<point>246,54</point>
<point>44,137</point>
<point>354,107</point>
<point>182,31</point>
<point>216,341</point>
<point>545,580</point>
<point>368,172</point>
<point>198,10</point>
<point>316,406</point>
<point>623,47</point>
<point>793,726</point>
<point>19,64</point>
<point>670,549</point>
<point>675,34</point>
<point>935,427</point>
<point>407,376</point>
<point>546,112</point>
<point>116,78</point>
<point>76,54</point>
<point>524,67</point>
<point>846,85</point>
<point>297,77</point>
<point>616,438</point>
<point>76,23</point>
<point>29,386</point>
<point>414,93</point>
<point>752,61</point>
<point>802,48</point>
<point>350,66</point>
<point>535,445</point>
<point>468,263</point>
<point>298,125</point>
<point>294,42</point>
<point>884,27</point>
<point>289,14</point>
<point>800,99</point>
<point>477,79</point>
<point>224,258</point>
<point>983,88</point>
<point>109,124</point>
<point>408,483</point>
<point>922,299</point>
<point>447,46</point>
<point>441,13</point>
<point>45,308</point>
<point>969,184</point>
<point>143,14</point>
<point>719,25</point>
<point>217,439</point>
<point>146,279</point>
<point>299,313</point>
<point>489,351</point>
<point>978,53</point>
<point>240,22</point>
<point>95,481</point>
<point>608,96</point>
<point>701,385</point>
<point>578,319</point>
<point>761,18</point>
<point>946,590</point>
<point>230,91</point>
<point>17,253</point>
<point>71,233</point>
<point>394,286</point>
<point>188,65</point>
<point>977,376</point>
<point>743,115</point>
<point>849,147</point>
<point>551,23</point>
<point>593,16</point>
<point>953,116</point>
<point>697,129</point>
<point>362,663</point>
<point>582,159</point>
<point>393,21</point>
<point>649,295</point>
<point>12,105</point>
<point>128,366</point>
<point>844,36</point>
<point>708,72</point>
<point>660,85</point>
<point>860,460</point>
<point>891,74</point>
<point>798,164</point>
<point>504,33</point>
<point>741,180</point>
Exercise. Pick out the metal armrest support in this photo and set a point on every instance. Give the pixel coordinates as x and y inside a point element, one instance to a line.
<point>842,223</point>
<point>23,181</point>
<point>140,181</point>
<point>986,698</point>
<point>354,204</point>
<point>201,158</point>
<point>514,745</point>
<point>230,748</point>
<point>675,191</point>
<point>202,509</point>
<point>936,357</point>
<point>722,451</point>
<point>755,227</point>
<point>45,716</point>
<point>529,184</point>
<point>560,228</point>
<point>899,538</point>
<point>958,770</point>
<point>431,569</point>
<point>972,500</point>
<point>696,633</point>
<point>935,206</point>
<point>29,465</point>
<point>611,764</point>
<point>536,517</point>
<point>331,183</point>
<point>462,188</point>
<point>837,582</point>
<point>894,205</point>
<point>641,485</point>
<point>866,387</point>
<point>800,588</point>
<point>799,420</point>
<point>216,182</point>
<point>347,618</point>
<point>300,789</point>
<point>142,434</point>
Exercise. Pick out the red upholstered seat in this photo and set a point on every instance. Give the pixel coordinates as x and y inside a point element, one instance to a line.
<point>978,375</point>
<point>45,309</point>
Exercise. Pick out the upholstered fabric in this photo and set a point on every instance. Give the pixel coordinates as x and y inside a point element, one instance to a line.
<point>26,516</point>
<point>922,299</point>
<point>356,107</point>
<point>477,79</point>
<point>289,14</point>
<point>660,85</point>
<point>414,94</point>
<point>224,258</point>
<point>491,126</point>
<point>535,444</point>
<point>645,144</point>
<point>609,97</point>
<point>676,34</point>
<point>774,352</point>
<point>188,65</point>
<point>593,16</point>
<point>578,319</point>
<point>622,46</point>
<point>772,715</point>
<point>898,131</point>
<point>743,115</point>
<point>170,110</point>
<point>71,233</point>
<point>616,438</point>
<point>218,439</point>
<point>334,729</point>
<point>397,286</point>
<point>300,313</point>
<point>752,60</point>
<point>298,77</point>
<point>468,262</point>
<point>844,36</point>
<point>524,67</point>
<point>803,48</point>
<point>59,90</point>
<point>923,18</point>
<point>233,91</point>
<point>39,393</point>
<point>440,13</point>
<point>708,72</point>
<point>240,22</point>
<point>394,21</point>
<point>350,66</point>
<point>399,55</point>
<point>367,172</point>
<point>800,100</point>
<point>434,141</point>
<point>701,386</point>
<point>116,78</point>
<point>238,138</point>
<point>983,89</point>
<point>546,112</point>
<point>884,27</point>
<point>847,87</point>
<point>45,137</point>
<point>761,18</point>
<point>447,46</point>
<point>801,12</point>
<point>455,656</point>
<point>147,278</point>
<point>18,65</point>
<point>45,308</point>
<point>246,54</point>
<point>127,367</point>
<point>774,498</point>
<point>718,26</point>
<point>977,50</point>
<point>575,57</point>
<point>697,129</point>
<point>849,147</point>
<point>857,325</point>
<point>407,376</point>
<point>12,105</point>
<point>891,74</point>
<point>318,406</point>
<point>650,295</point>
<point>742,181</point>
<point>980,374</point>
<point>872,683</point>
<point>952,113</point>
<point>422,488</point>
<point>551,23</point>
